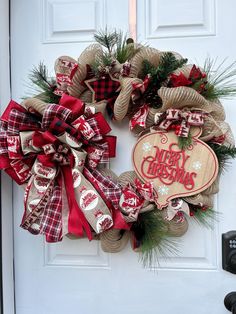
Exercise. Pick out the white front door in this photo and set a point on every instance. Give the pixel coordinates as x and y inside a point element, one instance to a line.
<point>76,276</point>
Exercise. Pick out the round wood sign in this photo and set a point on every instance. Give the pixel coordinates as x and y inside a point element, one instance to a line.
<point>174,173</point>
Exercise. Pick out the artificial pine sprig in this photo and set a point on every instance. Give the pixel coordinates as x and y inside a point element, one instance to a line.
<point>118,45</point>
<point>203,215</point>
<point>106,39</point>
<point>224,154</point>
<point>151,232</point>
<point>220,80</point>
<point>125,48</point>
<point>43,86</point>
<point>168,64</point>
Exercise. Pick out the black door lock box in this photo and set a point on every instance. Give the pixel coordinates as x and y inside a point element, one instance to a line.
<point>229,251</point>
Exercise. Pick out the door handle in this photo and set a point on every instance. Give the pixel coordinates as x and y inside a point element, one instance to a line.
<point>230,302</point>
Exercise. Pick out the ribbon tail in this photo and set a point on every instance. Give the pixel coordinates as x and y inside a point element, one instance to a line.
<point>77,221</point>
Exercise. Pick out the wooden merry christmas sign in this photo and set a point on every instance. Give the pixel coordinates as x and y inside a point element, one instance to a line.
<point>174,172</point>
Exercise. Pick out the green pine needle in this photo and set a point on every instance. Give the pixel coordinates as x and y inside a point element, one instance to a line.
<point>117,44</point>
<point>125,51</point>
<point>107,39</point>
<point>159,75</point>
<point>42,86</point>
<point>206,217</point>
<point>184,142</point>
<point>223,154</point>
<point>221,80</point>
<point>168,64</point>
<point>151,232</point>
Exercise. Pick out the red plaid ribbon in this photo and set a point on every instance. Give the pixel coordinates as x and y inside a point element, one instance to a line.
<point>3,138</point>
<point>51,223</point>
<point>180,120</point>
<point>111,190</point>
<point>21,121</point>
<point>52,111</point>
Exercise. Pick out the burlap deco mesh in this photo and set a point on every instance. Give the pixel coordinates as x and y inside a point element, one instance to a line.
<point>114,240</point>
<point>121,105</point>
<point>98,106</point>
<point>214,188</point>
<point>200,199</point>
<point>175,228</point>
<point>86,96</point>
<point>90,53</point>
<point>34,103</point>
<point>182,97</point>
<point>145,53</point>
<point>217,110</point>
<point>77,88</point>
<point>88,56</point>
<point>185,70</point>
<point>127,177</point>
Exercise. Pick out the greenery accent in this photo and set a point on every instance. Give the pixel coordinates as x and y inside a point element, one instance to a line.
<point>106,39</point>
<point>118,45</point>
<point>184,142</point>
<point>204,216</point>
<point>125,48</point>
<point>220,80</point>
<point>168,64</point>
<point>99,66</point>
<point>151,232</point>
<point>43,86</point>
<point>223,154</point>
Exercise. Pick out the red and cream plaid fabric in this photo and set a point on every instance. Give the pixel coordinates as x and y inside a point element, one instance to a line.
<point>104,88</point>
<point>52,111</point>
<point>20,121</point>
<point>111,190</point>
<point>105,156</point>
<point>3,138</point>
<point>51,223</point>
<point>94,125</point>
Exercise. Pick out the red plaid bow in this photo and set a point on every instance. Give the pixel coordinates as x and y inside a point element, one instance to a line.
<point>24,138</point>
<point>180,120</point>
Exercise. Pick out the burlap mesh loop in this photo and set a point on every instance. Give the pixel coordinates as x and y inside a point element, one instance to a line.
<point>145,53</point>
<point>77,88</point>
<point>114,240</point>
<point>121,105</point>
<point>200,199</point>
<point>86,96</point>
<point>182,97</point>
<point>35,104</point>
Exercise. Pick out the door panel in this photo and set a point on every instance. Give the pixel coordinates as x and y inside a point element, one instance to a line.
<point>76,275</point>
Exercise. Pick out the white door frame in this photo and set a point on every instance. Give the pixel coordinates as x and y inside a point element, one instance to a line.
<point>6,183</point>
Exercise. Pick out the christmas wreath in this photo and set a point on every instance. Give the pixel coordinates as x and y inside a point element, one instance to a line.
<point>57,145</point>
